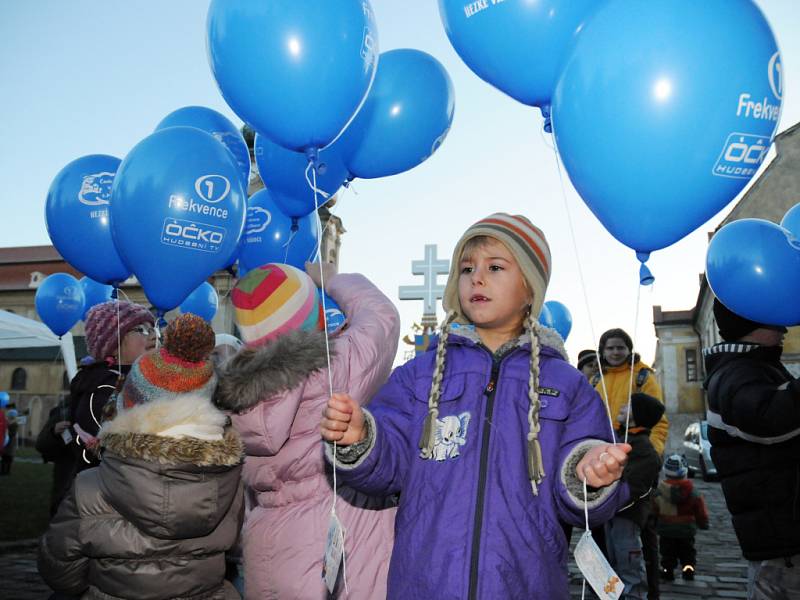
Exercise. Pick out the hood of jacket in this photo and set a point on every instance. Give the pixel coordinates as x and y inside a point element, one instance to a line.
<point>550,343</point>
<point>255,374</point>
<point>719,355</point>
<point>171,487</point>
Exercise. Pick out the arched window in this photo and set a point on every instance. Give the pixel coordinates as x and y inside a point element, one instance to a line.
<point>19,379</point>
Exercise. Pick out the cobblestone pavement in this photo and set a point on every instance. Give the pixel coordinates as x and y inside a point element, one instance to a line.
<point>721,570</point>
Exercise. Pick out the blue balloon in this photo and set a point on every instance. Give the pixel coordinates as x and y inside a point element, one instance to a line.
<point>753,267</point>
<point>76,213</point>
<point>545,317</point>
<point>178,212</point>
<point>273,237</point>
<point>664,112</point>
<point>295,71</point>
<point>284,174</point>
<point>406,117</point>
<point>94,293</point>
<point>517,46</point>
<point>217,125</point>
<point>335,319</point>
<point>791,221</point>
<point>561,318</point>
<point>202,302</point>
<point>4,399</point>
<point>59,302</point>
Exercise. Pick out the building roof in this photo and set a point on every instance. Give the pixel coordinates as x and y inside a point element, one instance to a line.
<point>17,266</point>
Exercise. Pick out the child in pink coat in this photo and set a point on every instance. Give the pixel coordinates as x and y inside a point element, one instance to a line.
<point>277,388</point>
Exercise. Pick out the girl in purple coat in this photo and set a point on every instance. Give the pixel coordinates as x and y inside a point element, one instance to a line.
<point>487,439</point>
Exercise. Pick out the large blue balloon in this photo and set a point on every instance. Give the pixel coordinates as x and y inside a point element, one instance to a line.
<point>77,219</point>
<point>518,46</point>
<point>284,173</point>
<point>217,125</point>
<point>753,267</point>
<point>202,302</point>
<point>94,293</point>
<point>405,119</point>
<point>59,302</point>
<point>178,212</point>
<point>295,71</point>
<point>560,318</point>
<point>664,111</point>
<point>273,237</point>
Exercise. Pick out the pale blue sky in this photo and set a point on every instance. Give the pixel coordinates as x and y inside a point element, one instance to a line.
<point>96,76</point>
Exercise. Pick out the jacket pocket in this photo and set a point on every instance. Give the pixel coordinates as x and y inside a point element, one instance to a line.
<point>452,389</point>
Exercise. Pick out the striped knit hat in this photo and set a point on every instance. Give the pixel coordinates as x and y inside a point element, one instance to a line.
<point>101,325</point>
<point>529,247</point>
<point>275,299</point>
<point>525,242</point>
<point>181,365</point>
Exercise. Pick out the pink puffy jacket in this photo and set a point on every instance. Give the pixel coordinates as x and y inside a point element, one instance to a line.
<point>278,392</point>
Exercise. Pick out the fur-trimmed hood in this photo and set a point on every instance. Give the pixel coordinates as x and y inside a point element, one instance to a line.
<point>256,374</point>
<point>549,339</point>
<point>171,487</point>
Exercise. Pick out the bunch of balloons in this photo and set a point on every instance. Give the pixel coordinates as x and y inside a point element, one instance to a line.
<point>753,267</point>
<point>662,110</point>
<point>305,76</point>
<point>308,77</point>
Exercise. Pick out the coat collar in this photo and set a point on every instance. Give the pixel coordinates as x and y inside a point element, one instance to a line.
<point>171,431</point>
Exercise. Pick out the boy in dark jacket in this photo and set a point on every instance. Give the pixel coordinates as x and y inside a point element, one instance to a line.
<point>623,532</point>
<point>680,512</point>
<point>754,430</point>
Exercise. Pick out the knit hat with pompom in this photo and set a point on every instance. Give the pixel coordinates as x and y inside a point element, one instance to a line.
<point>180,366</point>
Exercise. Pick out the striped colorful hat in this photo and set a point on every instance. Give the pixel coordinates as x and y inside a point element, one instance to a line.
<point>525,241</point>
<point>180,366</point>
<point>273,300</point>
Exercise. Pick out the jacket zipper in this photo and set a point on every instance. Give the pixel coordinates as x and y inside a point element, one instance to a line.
<point>476,530</point>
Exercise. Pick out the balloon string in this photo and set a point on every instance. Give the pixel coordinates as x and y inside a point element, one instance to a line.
<point>573,237</point>
<point>635,333</point>
<point>313,185</point>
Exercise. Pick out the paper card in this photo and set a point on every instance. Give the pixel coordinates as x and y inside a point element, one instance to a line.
<point>596,570</point>
<point>66,435</point>
<point>334,548</point>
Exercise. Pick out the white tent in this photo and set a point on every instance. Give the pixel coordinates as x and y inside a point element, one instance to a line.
<point>21,332</point>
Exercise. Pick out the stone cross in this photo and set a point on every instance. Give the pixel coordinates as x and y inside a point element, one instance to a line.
<point>430,291</point>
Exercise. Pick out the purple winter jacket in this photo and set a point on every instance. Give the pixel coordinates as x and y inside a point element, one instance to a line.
<point>468,524</point>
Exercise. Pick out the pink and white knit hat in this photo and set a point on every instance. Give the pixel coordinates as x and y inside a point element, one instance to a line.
<point>101,325</point>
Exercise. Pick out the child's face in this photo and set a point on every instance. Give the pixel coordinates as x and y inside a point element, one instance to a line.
<point>615,351</point>
<point>492,289</point>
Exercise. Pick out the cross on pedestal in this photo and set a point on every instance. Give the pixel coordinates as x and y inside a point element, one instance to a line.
<point>430,291</point>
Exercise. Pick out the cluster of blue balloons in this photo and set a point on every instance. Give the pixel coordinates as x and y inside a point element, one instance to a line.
<point>307,76</point>
<point>61,300</point>
<point>662,110</point>
<point>177,214</point>
<point>753,267</point>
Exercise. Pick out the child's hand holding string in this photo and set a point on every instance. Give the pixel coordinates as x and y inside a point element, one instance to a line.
<point>603,464</point>
<point>343,421</point>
